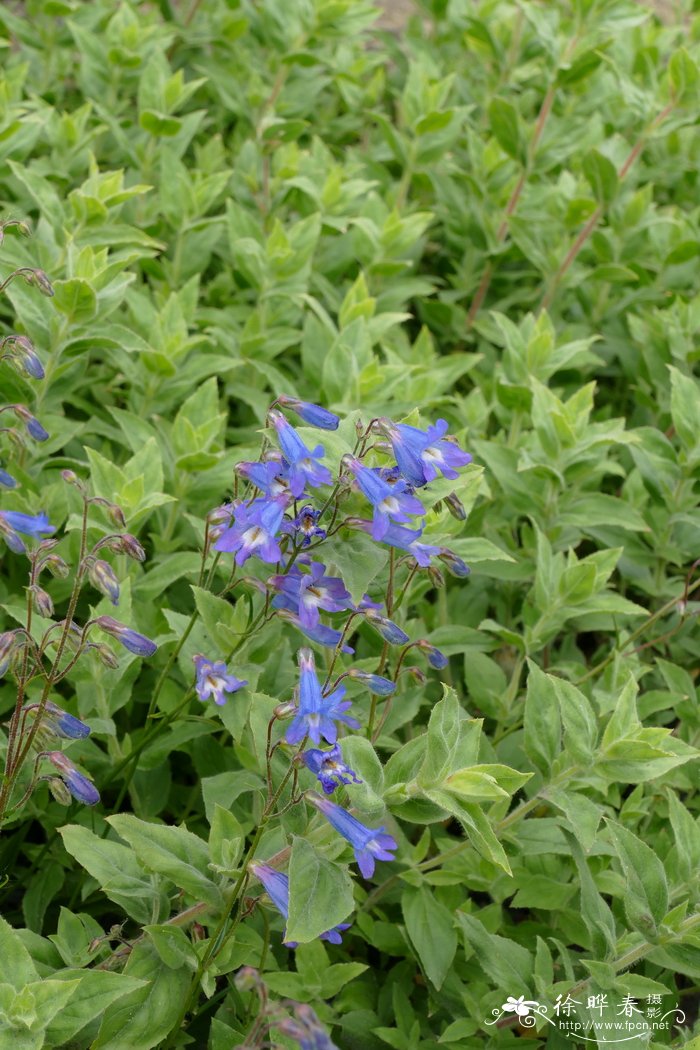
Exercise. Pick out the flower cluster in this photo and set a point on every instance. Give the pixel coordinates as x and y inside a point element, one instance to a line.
<point>277,519</point>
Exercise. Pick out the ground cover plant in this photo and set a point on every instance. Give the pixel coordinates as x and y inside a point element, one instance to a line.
<point>349,499</point>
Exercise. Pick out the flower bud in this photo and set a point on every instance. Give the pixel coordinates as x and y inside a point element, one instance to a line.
<point>105,654</point>
<point>9,643</point>
<point>42,601</point>
<point>374,682</point>
<point>131,640</point>
<point>436,659</point>
<point>455,506</point>
<point>285,710</point>
<point>132,548</point>
<point>56,566</point>
<point>81,788</point>
<point>26,357</point>
<point>437,578</point>
<point>454,564</point>
<point>6,480</point>
<point>389,631</point>
<point>42,282</point>
<point>58,723</point>
<point>247,979</point>
<point>102,577</point>
<point>314,415</point>
<point>59,790</point>
<point>417,674</point>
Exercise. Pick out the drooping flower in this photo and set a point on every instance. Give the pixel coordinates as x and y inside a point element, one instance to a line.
<point>213,679</point>
<point>307,592</point>
<point>306,1028</point>
<point>305,525</point>
<point>103,578</point>
<point>276,885</point>
<point>28,524</point>
<point>254,531</point>
<point>303,466</point>
<point>6,480</point>
<point>421,454</point>
<point>317,714</point>
<point>455,565</point>
<point>131,640</point>
<point>322,634</point>
<point>330,768</point>
<point>58,722</point>
<point>81,788</point>
<point>314,415</point>
<point>391,502</point>
<point>369,844</point>
<point>400,537</point>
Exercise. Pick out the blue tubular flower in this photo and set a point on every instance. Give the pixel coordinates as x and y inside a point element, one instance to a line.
<point>277,888</point>
<point>329,767</point>
<point>421,454</point>
<point>314,415</point>
<point>369,844</point>
<point>6,480</point>
<point>390,631</point>
<point>35,429</point>
<point>303,466</point>
<point>305,526</point>
<point>213,680</point>
<point>306,1029</point>
<point>317,714</point>
<point>81,788</point>
<point>131,640</point>
<point>401,538</point>
<point>374,682</point>
<point>321,633</point>
<point>254,531</point>
<point>28,524</point>
<point>306,593</point>
<point>391,501</point>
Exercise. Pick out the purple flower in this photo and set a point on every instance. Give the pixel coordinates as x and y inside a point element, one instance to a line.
<point>254,531</point>
<point>369,844</point>
<point>390,631</point>
<point>314,415</point>
<point>213,680</point>
<point>271,477</point>
<point>131,640</point>
<point>303,466</point>
<point>306,1029</point>
<point>321,633</point>
<point>305,525</point>
<point>103,579</point>
<point>421,454</point>
<point>6,480</point>
<point>329,767</point>
<point>317,714</point>
<point>402,538</point>
<point>374,682</point>
<point>35,429</point>
<point>28,524</point>
<point>81,788</point>
<point>307,592</point>
<point>391,502</point>
<point>277,888</point>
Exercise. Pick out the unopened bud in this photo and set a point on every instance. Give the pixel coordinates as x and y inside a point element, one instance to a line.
<point>436,576</point>
<point>42,601</point>
<point>105,654</point>
<point>436,658</point>
<point>102,577</point>
<point>455,506</point>
<point>247,979</point>
<point>56,566</point>
<point>417,674</point>
<point>132,548</point>
<point>42,282</point>
<point>374,682</point>
<point>284,710</point>
<point>59,790</point>
<point>9,643</point>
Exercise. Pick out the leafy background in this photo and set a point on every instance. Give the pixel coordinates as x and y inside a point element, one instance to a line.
<point>492,217</point>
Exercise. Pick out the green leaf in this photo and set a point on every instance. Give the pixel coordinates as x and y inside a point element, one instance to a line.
<point>505,126</point>
<point>443,740</point>
<point>646,895</point>
<point>580,725</point>
<point>76,299</point>
<point>601,175</point>
<point>430,927</point>
<point>506,962</point>
<point>174,852</point>
<point>143,1018</point>
<point>685,409</point>
<point>320,893</point>
<point>542,720</point>
<point>488,782</point>
<point>476,825</point>
<point>116,870</point>
<point>22,970</point>
<point>173,946</point>
<point>96,990</point>
<point>357,559</point>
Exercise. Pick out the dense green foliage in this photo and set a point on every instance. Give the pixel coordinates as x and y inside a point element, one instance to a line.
<point>492,218</point>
